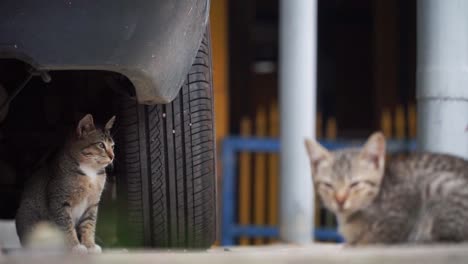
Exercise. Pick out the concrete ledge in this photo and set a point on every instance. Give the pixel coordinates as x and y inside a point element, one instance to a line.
<point>8,236</point>
<point>318,253</point>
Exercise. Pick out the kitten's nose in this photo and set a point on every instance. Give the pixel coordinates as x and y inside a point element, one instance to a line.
<point>341,198</point>
<point>110,154</point>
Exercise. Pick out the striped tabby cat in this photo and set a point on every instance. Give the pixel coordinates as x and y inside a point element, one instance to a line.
<point>421,198</point>
<point>66,191</point>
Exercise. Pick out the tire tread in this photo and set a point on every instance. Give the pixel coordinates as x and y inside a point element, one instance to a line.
<point>180,164</point>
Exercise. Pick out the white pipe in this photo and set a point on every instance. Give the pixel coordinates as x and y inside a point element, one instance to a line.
<point>442,76</point>
<point>298,31</point>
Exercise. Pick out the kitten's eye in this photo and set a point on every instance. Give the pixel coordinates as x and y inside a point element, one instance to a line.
<point>328,185</point>
<point>353,184</point>
<point>101,145</point>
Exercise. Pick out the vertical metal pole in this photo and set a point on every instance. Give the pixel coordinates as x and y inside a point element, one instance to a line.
<point>442,76</point>
<point>298,30</point>
<point>229,187</point>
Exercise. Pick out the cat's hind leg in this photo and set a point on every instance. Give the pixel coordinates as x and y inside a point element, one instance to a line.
<point>422,229</point>
<point>26,220</point>
<point>444,215</point>
<point>450,222</point>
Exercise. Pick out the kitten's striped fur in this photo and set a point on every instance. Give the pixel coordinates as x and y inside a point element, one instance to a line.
<point>66,191</point>
<point>419,198</point>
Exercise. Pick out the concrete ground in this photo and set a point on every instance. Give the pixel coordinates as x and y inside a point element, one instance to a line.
<point>291,254</point>
<point>319,253</point>
<point>315,253</point>
<point>8,237</point>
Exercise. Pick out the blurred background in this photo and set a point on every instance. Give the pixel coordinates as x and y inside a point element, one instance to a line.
<point>366,82</point>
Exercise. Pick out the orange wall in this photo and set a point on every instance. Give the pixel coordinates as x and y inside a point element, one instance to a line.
<point>219,42</point>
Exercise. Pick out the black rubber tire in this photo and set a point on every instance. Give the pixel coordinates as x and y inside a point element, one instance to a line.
<point>166,166</point>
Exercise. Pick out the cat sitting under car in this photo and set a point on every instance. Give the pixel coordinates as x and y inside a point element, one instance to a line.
<point>422,198</point>
<point>66,191</point>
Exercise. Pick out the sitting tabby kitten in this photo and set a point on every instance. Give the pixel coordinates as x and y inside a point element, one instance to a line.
<point>422,198</point>
<point>67,190</point>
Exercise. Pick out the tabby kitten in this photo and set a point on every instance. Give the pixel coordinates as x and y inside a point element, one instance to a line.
<point>418,199</point>
<point>66,192</point>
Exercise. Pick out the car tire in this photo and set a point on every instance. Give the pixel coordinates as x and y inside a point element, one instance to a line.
<point>166,166</point>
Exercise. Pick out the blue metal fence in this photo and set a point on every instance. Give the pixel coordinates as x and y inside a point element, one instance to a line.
<point>230,230</point>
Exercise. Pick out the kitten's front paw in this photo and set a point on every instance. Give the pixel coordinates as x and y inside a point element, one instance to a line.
<point>79,249</point>
<point>96,249</point>
<point>348,245</point>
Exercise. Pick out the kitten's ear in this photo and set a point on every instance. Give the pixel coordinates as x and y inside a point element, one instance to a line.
<point>85,126</point>
<point>109,124</point>
<point>316,153</point>
<point>374,150</point>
